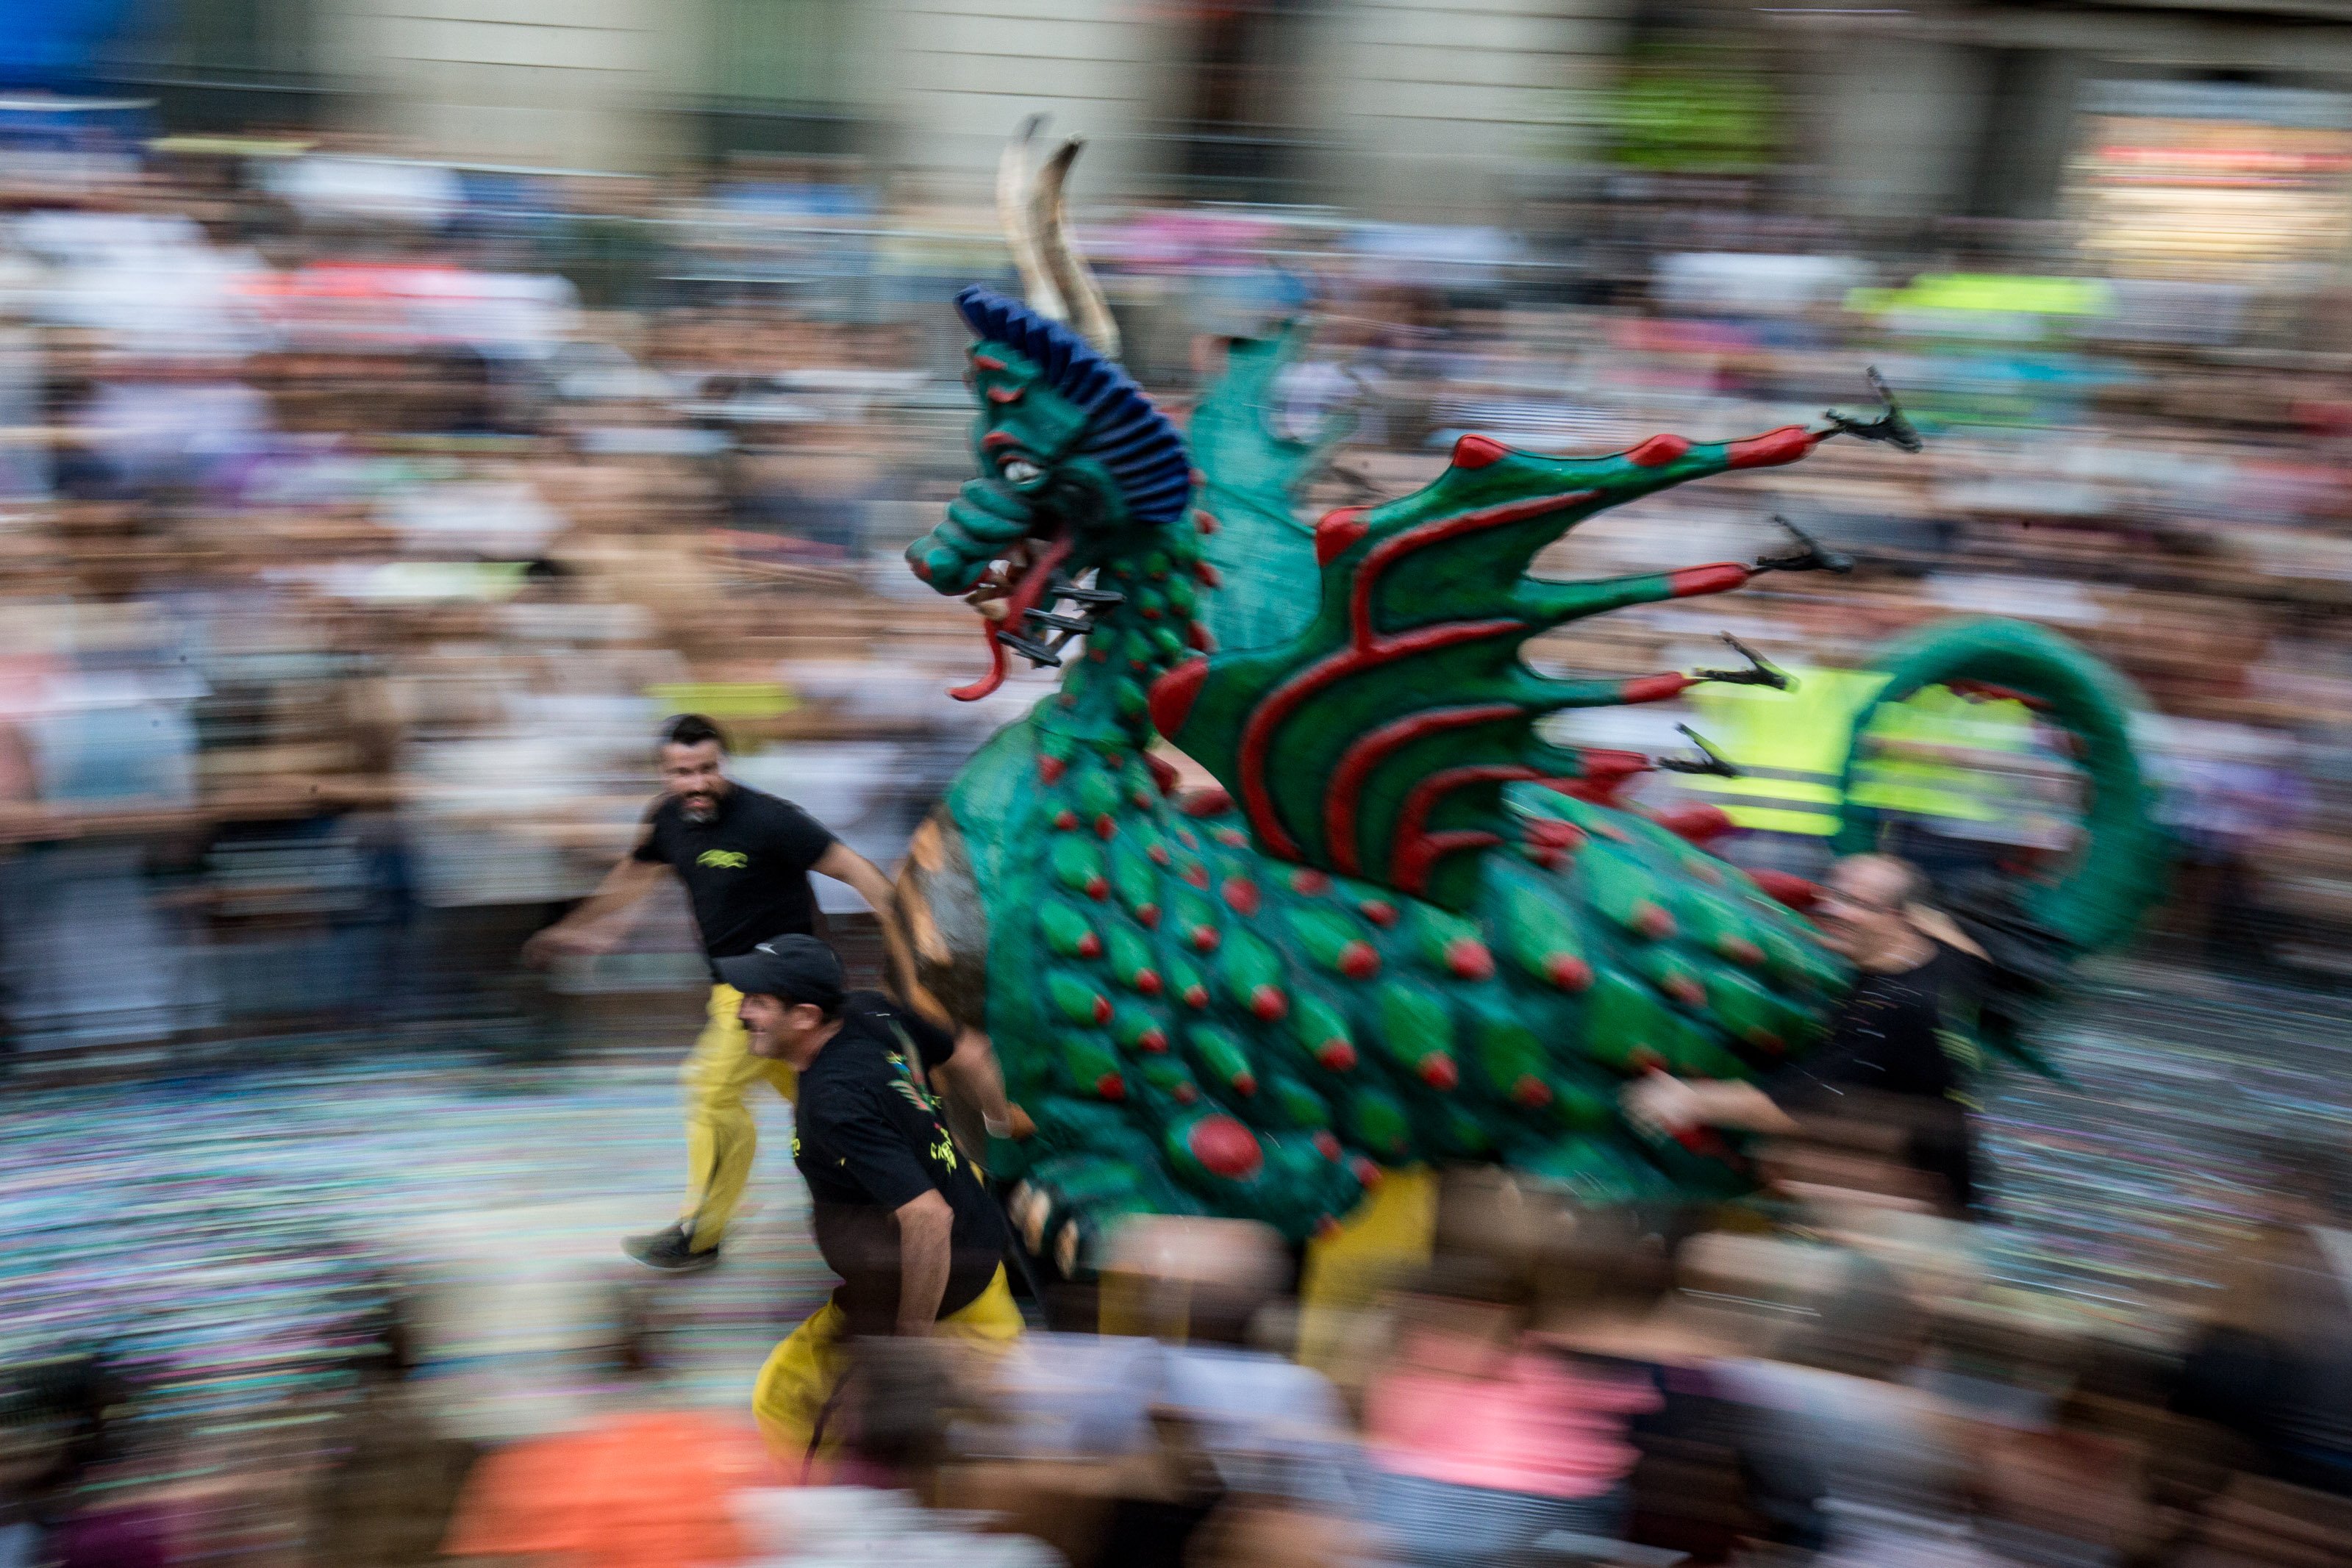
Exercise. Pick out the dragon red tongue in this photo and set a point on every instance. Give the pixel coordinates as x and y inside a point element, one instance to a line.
<point>1019,599</point>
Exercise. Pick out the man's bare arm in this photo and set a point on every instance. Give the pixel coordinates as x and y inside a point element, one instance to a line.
<point>1675,1105</point>
<point>972,1076</point>
<point>843,863</point>
<point>925,1228</point>
<point>590,928</point>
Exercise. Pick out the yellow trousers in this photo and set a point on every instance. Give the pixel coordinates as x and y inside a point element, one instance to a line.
<point>801,1372</point>
<point>720,1135</point>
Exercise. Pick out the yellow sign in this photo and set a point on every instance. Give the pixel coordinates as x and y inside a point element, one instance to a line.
<point>727,699</point>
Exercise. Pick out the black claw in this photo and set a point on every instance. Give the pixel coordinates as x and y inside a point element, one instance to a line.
<point>1035,653</point>
<point>1086,595</point>
<point>1809,556</point>
<point>1761,671</point>
<point>1708,760</point>
<point>1060,622</point>
<point>1892,425</point>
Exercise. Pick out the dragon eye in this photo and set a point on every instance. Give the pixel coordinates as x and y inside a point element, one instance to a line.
<point>1019,470</point>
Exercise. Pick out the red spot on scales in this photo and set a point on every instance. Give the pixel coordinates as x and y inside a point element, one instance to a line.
<point>1327,1146</point>
<point>1204,522</point>
<point>1338,530</point>
<point>1203,938</point>
<point>1147,917</point>
<point>1554,834</point>
<point>1699,822</point>
<point>1005,394</point>
<point>1438,1070</point>
<point>987,362</point>
<point>1243,1084</point>
<point>1308,882</point>
<point>1051,769</point>
<point>1605,773</point>
<point>1657,452</point>
<point>1209,802</point>
<point>1793,890</point>
<point>1154,1040</point>
<point>1090,945</point>
<point>1379,911</point>
<point>1652,922</point>
<point>1468,959</point>
<point>1163,772</point>
<point>1568,971</point>
<point>1111,1086</point>
<point>1367,1175</point>
<point>1359,961</point>
<point>1160,856</point>
<point>1740,951</point>
<point>1655,688</point>
<point>919,567</point>
<point>1721,577</point>
<point>1336,1056</point>
<point>1200,637</point>
<point>1196,996</point>
<point>1147,982</point>
<point>1065,818</point>
<point>1102,1010</point>
<point>996,439</point>
<point>1210,576</point>
<point>1098,889</point>
<point>1186,1093</point>
<point>1684,989</point>
<point>1173,694</point>
<point>1268,1005</point>
<point>1242,893</point>
<point>1531,1092</point>
<point>1196,874</point>
<point>1773,447</point>
<point>1478,451</point>
<point>1105,826</point>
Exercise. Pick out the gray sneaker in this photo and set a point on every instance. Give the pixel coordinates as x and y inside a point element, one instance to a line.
<point>670,1251</point>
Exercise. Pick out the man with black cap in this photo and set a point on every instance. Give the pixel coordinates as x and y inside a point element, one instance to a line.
<point>898,1212</point>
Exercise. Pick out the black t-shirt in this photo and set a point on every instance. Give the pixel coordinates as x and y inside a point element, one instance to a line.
<point>868,1140</point>
<point>1886,1037</point>
<point>746,870</point>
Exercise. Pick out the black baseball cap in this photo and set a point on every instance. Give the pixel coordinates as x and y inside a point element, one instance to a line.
<point>795,968</point>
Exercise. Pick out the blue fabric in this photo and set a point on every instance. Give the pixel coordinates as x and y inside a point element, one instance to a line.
<point>1428,1523</point>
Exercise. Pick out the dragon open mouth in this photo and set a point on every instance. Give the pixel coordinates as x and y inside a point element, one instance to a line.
<point>1008,597</point>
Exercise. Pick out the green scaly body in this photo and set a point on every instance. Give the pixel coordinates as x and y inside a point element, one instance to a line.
<point>1411,932</point>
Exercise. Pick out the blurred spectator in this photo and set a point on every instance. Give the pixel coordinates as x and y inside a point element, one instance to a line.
<point>1486,1440</point>
<point>2274,1364</point>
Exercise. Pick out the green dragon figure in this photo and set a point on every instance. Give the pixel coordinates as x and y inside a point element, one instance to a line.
<point>1408,929</point>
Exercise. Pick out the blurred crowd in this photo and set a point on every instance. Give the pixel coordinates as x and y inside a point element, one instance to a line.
<point>361,517</point>
<point>1542,1385</point>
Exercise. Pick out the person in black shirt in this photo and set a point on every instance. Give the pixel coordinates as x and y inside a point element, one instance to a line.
<point>897,1211</point>
<point>1884,1059</point>
<point>745,859</point>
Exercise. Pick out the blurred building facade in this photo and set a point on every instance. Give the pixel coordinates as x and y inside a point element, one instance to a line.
<point>1455,110</point>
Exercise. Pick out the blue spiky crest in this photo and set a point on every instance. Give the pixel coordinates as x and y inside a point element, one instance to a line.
<point>1134,442</point>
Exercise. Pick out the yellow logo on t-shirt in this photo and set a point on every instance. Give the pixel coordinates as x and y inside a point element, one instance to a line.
<point>723,860</point>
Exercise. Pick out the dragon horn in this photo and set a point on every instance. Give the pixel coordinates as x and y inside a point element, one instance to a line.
<point>1015,179</point>
<point>1071,276</point>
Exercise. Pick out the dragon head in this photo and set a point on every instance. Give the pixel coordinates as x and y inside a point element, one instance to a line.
<point>1077,469</point>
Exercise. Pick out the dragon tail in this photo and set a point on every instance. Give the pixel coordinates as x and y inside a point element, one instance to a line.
<point>2097,898</point>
